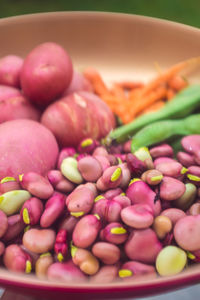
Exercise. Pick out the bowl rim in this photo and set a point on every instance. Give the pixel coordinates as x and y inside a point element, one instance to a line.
<point>160,284</point>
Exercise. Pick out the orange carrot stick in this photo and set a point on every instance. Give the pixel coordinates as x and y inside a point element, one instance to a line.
<point>97,82</point>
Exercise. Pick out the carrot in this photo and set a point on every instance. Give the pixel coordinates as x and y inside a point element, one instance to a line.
<point>118,91</point>
<point>154,107</point>
<point>170,94</point>
<point>166,76</point>
<point>130,85</point>
<point>177,83</point>
<point>144,102</point>
<point>97,82</point>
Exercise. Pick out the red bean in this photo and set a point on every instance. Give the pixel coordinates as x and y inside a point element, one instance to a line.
<point>86,231</point>
<point>3,223</point>
<point>53,209</point>
<point>31,211</point>
<point>161,150</point>
<point>143,246</point>
<point>115,233</point>
<point>15,227</point>
<point>108,253</point>
<point>37,185</point>
<point>138,216</point>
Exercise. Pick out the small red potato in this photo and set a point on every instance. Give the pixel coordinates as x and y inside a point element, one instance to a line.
<point>78,116</point>
<point>46,73</point>
<point>10,68</point>
<point>25,146</point>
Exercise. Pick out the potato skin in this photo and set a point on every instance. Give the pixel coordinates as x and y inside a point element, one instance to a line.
<point>78,116</point>
<point>46,73</point>
<point>10,68</point>
<point>26,145</point>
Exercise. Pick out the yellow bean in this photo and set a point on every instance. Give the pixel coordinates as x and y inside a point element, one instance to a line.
<point>171,260</point>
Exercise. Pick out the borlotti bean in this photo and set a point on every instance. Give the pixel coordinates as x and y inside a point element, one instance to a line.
<point>105,214</point>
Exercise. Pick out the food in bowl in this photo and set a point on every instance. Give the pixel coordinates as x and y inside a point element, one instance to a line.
<point>76,204</point>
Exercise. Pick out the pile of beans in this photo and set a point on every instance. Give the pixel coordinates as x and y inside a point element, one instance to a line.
<point>105,214</point>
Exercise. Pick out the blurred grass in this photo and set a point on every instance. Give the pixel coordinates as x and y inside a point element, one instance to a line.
<point>183,11</point>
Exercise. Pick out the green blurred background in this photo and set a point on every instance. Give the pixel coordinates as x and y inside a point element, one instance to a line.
<point>183,11</point>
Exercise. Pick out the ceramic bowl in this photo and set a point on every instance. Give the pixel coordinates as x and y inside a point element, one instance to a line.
<point>120,46</point>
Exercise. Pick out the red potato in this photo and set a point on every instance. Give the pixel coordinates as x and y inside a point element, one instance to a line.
<point>78,83</point>
<point>46,73</point>
<point>13,105</point>
<point>78,116</point>
<point>10,68</point>
<point>25,146</point>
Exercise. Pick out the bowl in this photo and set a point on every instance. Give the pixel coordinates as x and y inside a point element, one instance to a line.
<point>120,46</point>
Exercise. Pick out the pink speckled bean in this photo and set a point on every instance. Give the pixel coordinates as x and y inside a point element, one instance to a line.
<point>194,209</point>
<point>87,145</point>
<point>65,272</point>
<point>100,151</point>
<point>126,175</point>
<point>171,188</point>
<point>37,185</point>
<point>86,231</point>
<point>115,233</point>
<point>161,150</point>
<point>191,143</point>
<point>31,211</point>
<point>139,192</point>
<point>127,146</point>
<point>143,246</point>
<point>2,248</point>
<point>111,178</point>
<point>111,193</point>
<point>187,233</point>
<point>136,269</point>
<point>113,159</point>
<point>174,214</point>
<point>197,157</point>
<point>123,200</point>
<point>103,160</point>
<point>53,209</point>
<point>185,159</point>
<point>39,240</point>
<point>15,227</point>
<point>9,184</point>
<point>90,168</point>
<point>135,165</point>
<point>108,210</point>
<point>68,223</point>
<point>59,182</point>
<point>168,167</point>
<point>106,274</point>
<point>193,175</point>
<point>3,223</point>
<point>15,259</point>
<point>64,153</point>
<point>80,200</point>
<point>108,253</point>
<point>152,177</point>
<point>138,216</point>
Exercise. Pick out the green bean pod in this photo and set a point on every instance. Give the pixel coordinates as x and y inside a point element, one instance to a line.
<point>163,130</point>
<point>182,105</point>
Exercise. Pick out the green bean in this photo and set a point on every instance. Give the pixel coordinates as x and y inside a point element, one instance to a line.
<point>162,130</point>
<point>182,105</point>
